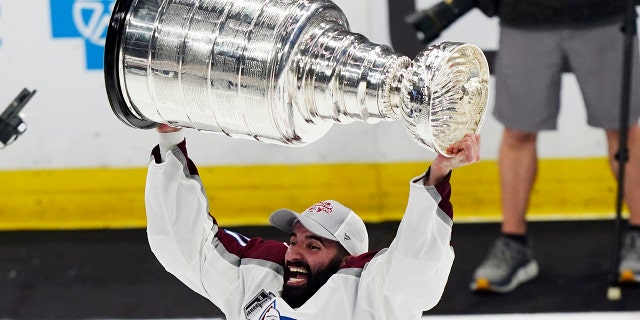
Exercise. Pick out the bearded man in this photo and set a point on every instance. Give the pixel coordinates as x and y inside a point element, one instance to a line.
<point>325,271</point>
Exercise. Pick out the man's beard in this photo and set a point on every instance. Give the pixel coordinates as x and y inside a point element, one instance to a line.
<point>296,296</point>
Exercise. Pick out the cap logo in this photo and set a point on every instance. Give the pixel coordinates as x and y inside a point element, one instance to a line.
<point>321,207</point>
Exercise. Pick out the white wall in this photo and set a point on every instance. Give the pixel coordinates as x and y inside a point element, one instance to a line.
<point>71,123</point>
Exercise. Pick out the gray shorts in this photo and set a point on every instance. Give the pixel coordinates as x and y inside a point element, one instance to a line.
<point>528,74</point>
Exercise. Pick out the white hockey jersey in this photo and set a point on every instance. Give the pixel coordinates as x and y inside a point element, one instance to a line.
<point>244,277</point>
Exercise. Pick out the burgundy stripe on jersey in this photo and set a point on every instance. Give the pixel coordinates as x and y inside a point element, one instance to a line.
<point>190,165</point>
<point>156,154</point>
<point>254,248</point>
<point>444,189</point>
<point>361,260</point>
<point>183,148</point>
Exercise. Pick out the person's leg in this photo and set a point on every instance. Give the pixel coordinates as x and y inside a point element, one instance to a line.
<point>632,169</point>
<point>632,176</point>
<point>527,101</point>
<point>600,77</point>
<point>510,261</point>
<point>629,267</point>
<point>518,166</point>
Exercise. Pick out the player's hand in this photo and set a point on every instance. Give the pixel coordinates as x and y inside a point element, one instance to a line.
<point>463,152</point>
<point>165,128</point>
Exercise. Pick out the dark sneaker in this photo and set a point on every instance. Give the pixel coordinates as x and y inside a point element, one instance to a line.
<point>508,264</point>
<point>630,258</point>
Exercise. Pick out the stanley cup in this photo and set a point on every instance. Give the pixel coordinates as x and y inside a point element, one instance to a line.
<point>282,71</point>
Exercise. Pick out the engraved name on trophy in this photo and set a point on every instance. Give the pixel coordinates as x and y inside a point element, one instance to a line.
<point>282,71</point>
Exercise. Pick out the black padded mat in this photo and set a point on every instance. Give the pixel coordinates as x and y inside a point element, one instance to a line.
<point>113,274</point>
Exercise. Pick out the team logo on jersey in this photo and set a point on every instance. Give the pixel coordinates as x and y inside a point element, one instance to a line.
<point>272,313</point>
<point>83,19</point>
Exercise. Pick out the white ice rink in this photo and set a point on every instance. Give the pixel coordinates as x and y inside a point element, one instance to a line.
<point>633,315</point>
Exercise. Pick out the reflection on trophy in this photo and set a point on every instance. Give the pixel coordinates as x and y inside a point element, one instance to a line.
<point>282,71</point>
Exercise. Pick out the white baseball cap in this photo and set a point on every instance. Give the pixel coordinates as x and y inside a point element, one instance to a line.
<point>328,219</point>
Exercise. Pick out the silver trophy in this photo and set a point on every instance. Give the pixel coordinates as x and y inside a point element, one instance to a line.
<point>282,71</point>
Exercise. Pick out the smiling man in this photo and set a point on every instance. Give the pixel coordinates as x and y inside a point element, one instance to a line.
<point>323,239</point>
<point>325,271</point>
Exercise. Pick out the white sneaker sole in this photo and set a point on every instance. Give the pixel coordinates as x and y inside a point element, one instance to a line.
<point>524,274</point>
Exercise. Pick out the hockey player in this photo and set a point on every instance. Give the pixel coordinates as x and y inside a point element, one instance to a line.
<point>325,271</point>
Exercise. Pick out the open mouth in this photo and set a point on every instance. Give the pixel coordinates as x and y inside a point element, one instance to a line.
<point>297,276</point>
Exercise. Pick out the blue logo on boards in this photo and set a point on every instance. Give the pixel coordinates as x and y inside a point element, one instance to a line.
<point>83,19</point>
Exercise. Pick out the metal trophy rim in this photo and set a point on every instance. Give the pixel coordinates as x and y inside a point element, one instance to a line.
<point>483,65</point>
<point>112,72</point>
<point>423,66</point>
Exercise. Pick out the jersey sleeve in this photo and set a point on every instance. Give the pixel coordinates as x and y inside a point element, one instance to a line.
<point>187,240</point>
<point>409,277</point>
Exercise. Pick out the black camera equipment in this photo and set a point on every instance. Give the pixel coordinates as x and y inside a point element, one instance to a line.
<point>11,124</point>
<point>428,23</point>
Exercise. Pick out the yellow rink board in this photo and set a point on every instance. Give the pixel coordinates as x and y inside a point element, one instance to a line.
<point>566,189</point>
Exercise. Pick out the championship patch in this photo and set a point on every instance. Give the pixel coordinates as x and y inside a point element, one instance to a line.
<point>258,303</point>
